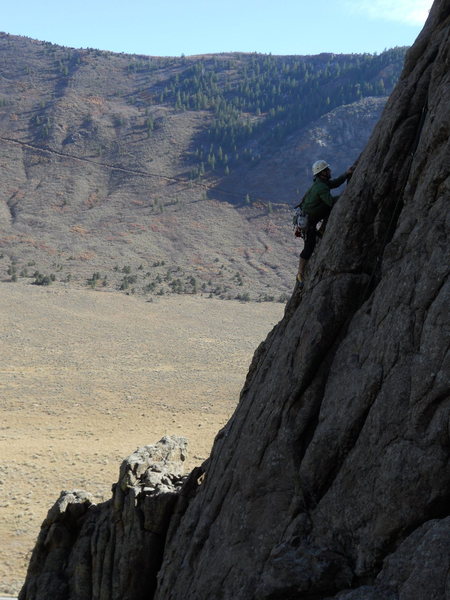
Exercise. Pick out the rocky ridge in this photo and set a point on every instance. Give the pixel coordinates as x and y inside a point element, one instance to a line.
<point>331,480</point>
<point>114,549</point>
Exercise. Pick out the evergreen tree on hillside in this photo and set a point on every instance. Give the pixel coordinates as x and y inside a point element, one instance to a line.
<point>260,99</point>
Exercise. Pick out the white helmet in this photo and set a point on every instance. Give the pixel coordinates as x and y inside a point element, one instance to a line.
<point>319,166</point>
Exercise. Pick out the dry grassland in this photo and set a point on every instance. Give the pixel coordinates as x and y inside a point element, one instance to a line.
<point>87,377</point>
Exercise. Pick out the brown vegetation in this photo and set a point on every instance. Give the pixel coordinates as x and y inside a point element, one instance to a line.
<point>87,377</point>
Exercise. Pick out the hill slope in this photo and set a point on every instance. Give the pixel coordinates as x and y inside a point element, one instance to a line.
<point>115,164</point>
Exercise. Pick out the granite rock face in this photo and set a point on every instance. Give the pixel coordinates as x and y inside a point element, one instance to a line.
<point>332,478</point>
<point>110,551</point>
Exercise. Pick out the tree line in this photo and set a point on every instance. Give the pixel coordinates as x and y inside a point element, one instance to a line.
<point>260,99</point>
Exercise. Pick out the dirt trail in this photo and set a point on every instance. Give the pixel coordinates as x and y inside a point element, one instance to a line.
<point>136,172</point>
<point>86,377</point>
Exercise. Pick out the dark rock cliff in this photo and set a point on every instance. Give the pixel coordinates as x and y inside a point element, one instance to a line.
<point>333,473</point>
<point>332,478</point>
<point>110,551</point>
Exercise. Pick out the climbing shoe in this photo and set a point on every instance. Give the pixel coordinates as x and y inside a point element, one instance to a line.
<point>300,280</point>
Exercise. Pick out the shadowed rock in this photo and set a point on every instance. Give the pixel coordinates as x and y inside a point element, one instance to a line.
<point>333,473</point>
<point>112,550</point>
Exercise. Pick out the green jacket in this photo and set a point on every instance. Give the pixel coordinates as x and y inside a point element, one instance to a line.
<point>319,194</point>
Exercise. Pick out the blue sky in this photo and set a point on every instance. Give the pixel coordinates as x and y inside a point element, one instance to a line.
<point>175,27</point>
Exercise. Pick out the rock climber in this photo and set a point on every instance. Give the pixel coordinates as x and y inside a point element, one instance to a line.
<point>317,204</point>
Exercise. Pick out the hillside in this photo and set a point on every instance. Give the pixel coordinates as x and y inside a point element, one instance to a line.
<point>161,175</point>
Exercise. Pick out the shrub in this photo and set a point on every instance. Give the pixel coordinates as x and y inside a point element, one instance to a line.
<point>245,297</point>
<point>40,279</point>
<point>12,272</point>
<point>127,281</point>
<point>92,282</point>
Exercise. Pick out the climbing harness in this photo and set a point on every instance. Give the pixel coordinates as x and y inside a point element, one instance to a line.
<point>300,221</point>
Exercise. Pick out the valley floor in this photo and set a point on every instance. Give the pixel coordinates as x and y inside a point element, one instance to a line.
<point>86,377</point>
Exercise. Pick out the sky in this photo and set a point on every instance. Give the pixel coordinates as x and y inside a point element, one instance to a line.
<point>190,27</point>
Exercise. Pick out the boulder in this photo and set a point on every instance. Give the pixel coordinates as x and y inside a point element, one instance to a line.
<point>113,550</point>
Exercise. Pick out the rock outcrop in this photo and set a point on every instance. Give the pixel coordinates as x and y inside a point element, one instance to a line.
<point>110,551</point>
<point>332,479</point>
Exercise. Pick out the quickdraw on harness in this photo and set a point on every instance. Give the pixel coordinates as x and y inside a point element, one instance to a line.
<point>300,221</point>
